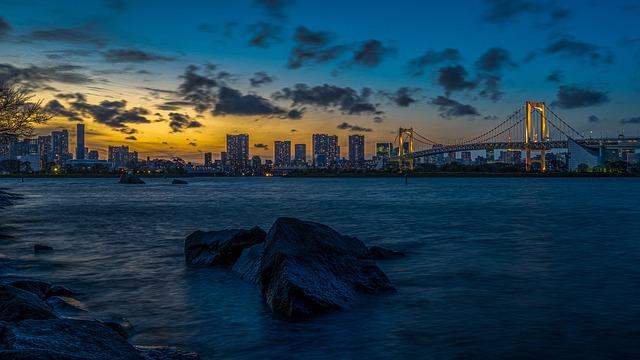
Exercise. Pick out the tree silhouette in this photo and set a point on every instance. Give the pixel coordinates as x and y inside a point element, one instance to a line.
<point>18,114</point>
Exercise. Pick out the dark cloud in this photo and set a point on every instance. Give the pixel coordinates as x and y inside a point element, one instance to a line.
<point>113,114</point>
<point>593,119</point>
<point>454,78</point>
<point>503,10</point>
<point>573,96</point>
<point>65,54</point>
<point>633,120</point>
<point>263,34</point>
<point>4,27</point>
<point>404,96</point>
<point>491,86</point>
<point>261,78</point>
<point>450,108</point>
<point>312,47</point>
<point>261,146</point>
<point>197,88</point>
<point>36,77</point>
<point>494,59</point>
<point>131,137</point>
<point>557,15</point>
<point>178,122</point>
<point>55,108</point>
<point>418,65</point>
<point>345,99</point>
<point>275,8</point>
<point>568,47</point>
<point>371,53</point>
<point>78,35</point>
<point>133,56</point>
<point>193,144</point>
<point>295,114</point>
<point>173,105</point>
<point>555,76</point>
<point>354,128</point>
<point>117,5</point>
<point>378,119</point>
<point>233,102</point>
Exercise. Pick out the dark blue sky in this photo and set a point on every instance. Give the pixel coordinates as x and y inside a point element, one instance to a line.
<point>449,69</point>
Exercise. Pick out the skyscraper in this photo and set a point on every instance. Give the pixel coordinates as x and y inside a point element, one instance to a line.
<point>80,142</point>
<point>238,151</point>
<point>356,149</point>
<point>60,145</point>
<point>45,146</point>
<point>282,153</point>
<point>383,150</point>
<point>300,154</point>
<point>208,159</point>
<point>325,149</point>
<point>120,157</point>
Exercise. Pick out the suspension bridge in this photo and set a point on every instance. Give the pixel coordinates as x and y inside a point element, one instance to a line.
<point>534,129</point>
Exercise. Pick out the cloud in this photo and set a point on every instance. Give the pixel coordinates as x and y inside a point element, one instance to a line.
<point>275,8</point>
<point>499,11</point>
<point>133,56</point>
<point>593,119</point>
<point>633,120</point>
<point>131,137</point>
<point>198,89</point>
<point>264,34</point>
<point>4,27</point>
<point>355,128</point>
<point>261,146</point>
<point>450,108</point>
<point>312,47</point>
<point>36,77</point>
<point>193,144</point>
<point>418,65</point>
<point>117,5</point>
<point>404,96</point>
<point>233,102</point>
<point>345,99</point>
<point>173,105</point>
<point>113,114</point>
<point>454,78</point>
<point>555,76</point>
<point>571,48</point>
<point>55,108</point>
<point>371,53</point>
<point>261,78</point>
<point>378,119</point>
<point>78,35</point>
<point>295,114</point>
<point>573,96</point>
<point>178,122</point>
<point>494,59</point>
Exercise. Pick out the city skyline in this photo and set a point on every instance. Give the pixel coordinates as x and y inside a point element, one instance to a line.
<point>281,70</point>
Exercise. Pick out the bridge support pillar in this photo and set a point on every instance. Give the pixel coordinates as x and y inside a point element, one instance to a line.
<point>532,140</point>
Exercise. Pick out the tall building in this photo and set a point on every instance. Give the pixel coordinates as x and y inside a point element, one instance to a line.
<point>80,149</point>
<point>356,149</point>
<point>60,145</point>
<point>466,157</point>
<point>383,150</point>
<point>121,158</point>
<point>282,153</point>
<point>491,156</point>
<point>94,155</point>
<point>238,151</point>
<point>325,149</point>
<point>300,154</point>
<point>208,159</point>
<point>45,146</point>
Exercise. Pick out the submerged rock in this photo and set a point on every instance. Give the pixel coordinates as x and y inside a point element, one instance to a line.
<point>130,179</point>
<point>39,248</point>
<point>248,264</point>
<point>380,253</point>
<point>120,325</point>
<point>166,353</point>
<point>221,247</point>
<point>68,307</point>
<point>59,290</point>
<point>179,182</point>
<point>64,339</point>
<point>17,305</point>
<point>308,268</point>
<point>37,287</point>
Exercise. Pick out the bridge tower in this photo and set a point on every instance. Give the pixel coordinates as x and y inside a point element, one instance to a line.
<point>534,141</point>
<point>405,136</point>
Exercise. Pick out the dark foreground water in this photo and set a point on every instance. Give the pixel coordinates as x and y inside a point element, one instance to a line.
<point>496,268</point>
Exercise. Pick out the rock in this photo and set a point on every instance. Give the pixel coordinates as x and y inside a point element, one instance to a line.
<point>68,307</point>
<point>380,253</point>
<point>221,247</point>
<point>248,264</point>
<point>65,339</point>
<point>17,305</point>
<point>130,179</point>
<point>120,325</point>
<point>308,268</point>
<point>166,353</point>
<point>179,182</point>
<point>59,290</point>
<point>39,248</point>
<point>37,287</point>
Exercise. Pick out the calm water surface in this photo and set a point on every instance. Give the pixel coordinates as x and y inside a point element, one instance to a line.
<point>496,268</point>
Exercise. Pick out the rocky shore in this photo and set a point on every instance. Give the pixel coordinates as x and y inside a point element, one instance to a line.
<point>302,268</point>
<point>40,320</point>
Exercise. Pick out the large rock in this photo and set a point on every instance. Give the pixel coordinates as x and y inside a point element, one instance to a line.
<point>248,264</point>
<point>221,247</point>
<point>130,179</point>
<point>37,287</point>
<point>308,268</point>
<point>64,339</point>
<point>17,305</point>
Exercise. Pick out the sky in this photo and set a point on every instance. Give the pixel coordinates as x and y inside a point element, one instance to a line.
<point>173,78</point>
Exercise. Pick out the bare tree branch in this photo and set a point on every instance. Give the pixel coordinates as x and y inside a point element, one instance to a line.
<point>18,114</point>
